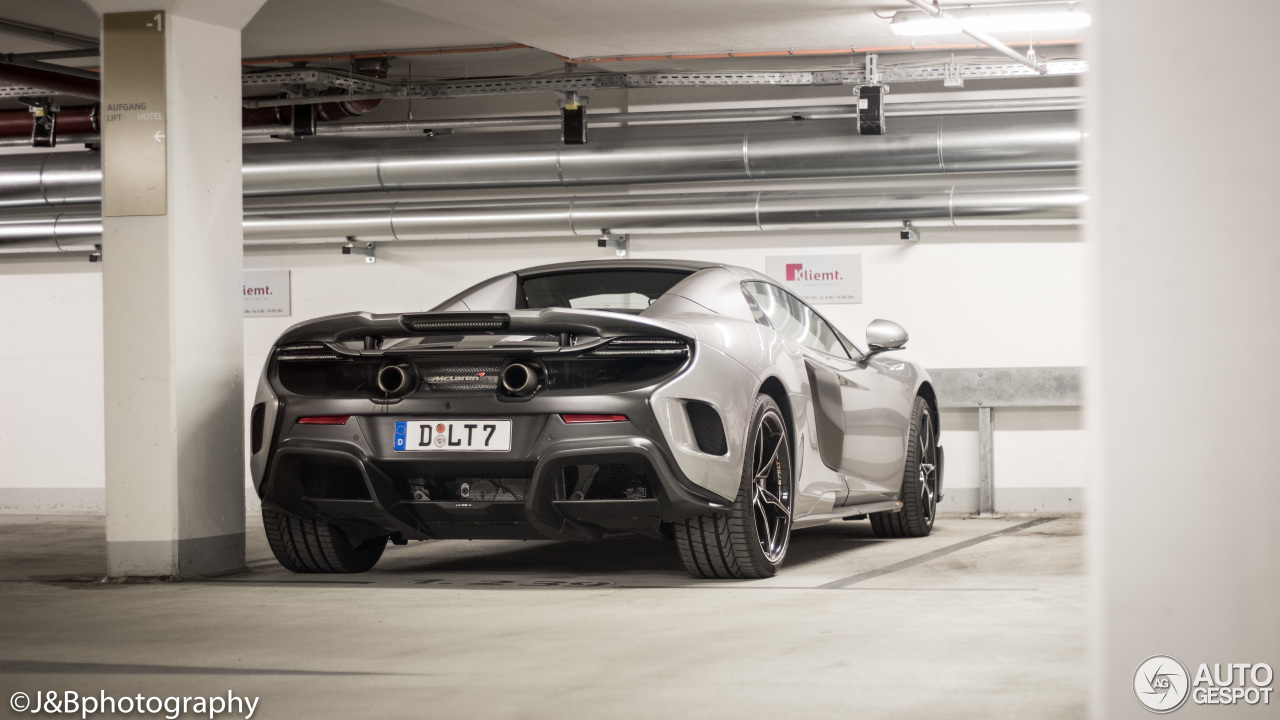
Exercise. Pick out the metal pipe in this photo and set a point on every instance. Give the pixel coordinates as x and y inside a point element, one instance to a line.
<point>955,107</point>
<point>50,179</point>
<point>751,211</point>
<point>59,233</point>
<point>669,213</point>
<point>267,122</point>
<point>974,107</point>
<point>69,139</point>
<point>54,82</point>
<point>17,58</point>
<point>53,68</point>
<point>933,9</point>
<point>49,35</point>
<point>72,121</point>
<point>615,156</point>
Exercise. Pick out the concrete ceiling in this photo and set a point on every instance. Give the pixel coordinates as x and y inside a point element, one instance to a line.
<point>618,27</point>
<point>71,16</point>
<point>295,27</point>
<point>594,28</point>
<point>572,28</point>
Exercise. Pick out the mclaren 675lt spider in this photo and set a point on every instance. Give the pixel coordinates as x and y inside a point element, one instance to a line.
<point>697,402</point>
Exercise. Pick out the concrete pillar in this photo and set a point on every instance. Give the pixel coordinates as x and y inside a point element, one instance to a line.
<point>1183,174</point>
<point>172,315</point>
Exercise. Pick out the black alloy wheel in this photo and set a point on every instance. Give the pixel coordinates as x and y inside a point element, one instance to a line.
<point>750,539</point>
<point>919,482</point>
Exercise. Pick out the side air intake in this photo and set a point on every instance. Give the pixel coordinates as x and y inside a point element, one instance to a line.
<point>708,429</point>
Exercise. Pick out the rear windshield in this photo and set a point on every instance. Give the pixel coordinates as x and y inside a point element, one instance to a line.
<point>625,290</point>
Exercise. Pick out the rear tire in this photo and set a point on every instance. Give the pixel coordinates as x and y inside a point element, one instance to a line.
<point>751,539</point>
<point>315,546</point>
<point>919,481</point>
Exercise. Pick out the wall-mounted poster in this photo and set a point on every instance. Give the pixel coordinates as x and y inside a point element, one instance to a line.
<point>819,279</point>
<point>266,293</point>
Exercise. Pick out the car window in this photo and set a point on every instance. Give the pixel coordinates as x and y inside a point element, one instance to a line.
<point>756,312</point>
<point>611,301</point>
<point>853,350</point>
<point>791,317</point>
<point>597,289</point>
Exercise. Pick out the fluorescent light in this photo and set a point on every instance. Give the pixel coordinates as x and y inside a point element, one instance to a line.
<point>997,20</point>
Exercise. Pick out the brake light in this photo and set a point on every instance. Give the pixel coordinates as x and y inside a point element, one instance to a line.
<point>593,418</point>
<point>324,420</point>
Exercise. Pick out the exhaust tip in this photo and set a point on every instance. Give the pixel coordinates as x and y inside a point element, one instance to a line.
<point>393,379</point>
<point>520,380</point>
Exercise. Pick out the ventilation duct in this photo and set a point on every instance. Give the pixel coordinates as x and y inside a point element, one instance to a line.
<point>1005,142</point>
<point>953,205</point>
<point>665,213</point>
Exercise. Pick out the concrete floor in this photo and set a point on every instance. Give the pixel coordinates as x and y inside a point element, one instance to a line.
<point>983,619</point>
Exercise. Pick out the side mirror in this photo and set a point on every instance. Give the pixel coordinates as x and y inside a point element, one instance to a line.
<point>883,335</point>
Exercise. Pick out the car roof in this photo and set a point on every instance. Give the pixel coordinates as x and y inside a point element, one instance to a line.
<point>684,265</point>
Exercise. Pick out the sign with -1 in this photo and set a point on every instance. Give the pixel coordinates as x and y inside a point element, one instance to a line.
<point>133,114</point>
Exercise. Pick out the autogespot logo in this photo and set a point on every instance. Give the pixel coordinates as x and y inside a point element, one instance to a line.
<point>1161,684</point>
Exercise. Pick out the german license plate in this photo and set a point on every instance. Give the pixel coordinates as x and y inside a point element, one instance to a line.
<point>455,435</point>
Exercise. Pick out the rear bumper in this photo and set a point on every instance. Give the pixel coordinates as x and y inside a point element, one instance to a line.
<point>375,495</point>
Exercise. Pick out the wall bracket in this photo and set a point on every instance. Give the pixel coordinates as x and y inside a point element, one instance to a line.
<point>44,128</point>
<point>871,109</point>
<point>621,243</point>
<point>368,250</point>
<point>951,74</point>
<point>573,117</point>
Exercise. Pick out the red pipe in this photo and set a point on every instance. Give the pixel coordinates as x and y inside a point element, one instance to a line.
<point>327,112</point>
<point>82,120</point>
<point>251,117</point>
<point>376,68</point>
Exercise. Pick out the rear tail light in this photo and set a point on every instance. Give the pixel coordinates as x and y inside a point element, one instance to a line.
<point>310,352</point>
<point>642,347</point>
<point>324,420</point>
<point>571,419</point>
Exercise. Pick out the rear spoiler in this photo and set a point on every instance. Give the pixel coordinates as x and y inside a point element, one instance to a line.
<point>549,321</point>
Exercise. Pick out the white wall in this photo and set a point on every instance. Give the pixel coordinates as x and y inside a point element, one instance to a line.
<point>1184,264</point>
<point>51,426</point>
<point>969,297</point>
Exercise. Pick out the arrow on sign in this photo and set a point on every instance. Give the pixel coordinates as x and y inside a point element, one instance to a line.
<point>159,136</point>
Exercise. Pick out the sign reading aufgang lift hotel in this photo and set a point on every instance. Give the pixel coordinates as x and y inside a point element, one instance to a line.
<point>133,114</point>
<point>819,279</point>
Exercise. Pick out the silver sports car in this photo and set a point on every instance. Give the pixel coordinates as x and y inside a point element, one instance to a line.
<point>696,402</point>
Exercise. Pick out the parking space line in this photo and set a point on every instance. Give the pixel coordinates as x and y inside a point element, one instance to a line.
<point>919,559</point>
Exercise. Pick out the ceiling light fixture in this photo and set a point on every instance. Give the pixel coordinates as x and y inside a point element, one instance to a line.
<point>1029,18</point>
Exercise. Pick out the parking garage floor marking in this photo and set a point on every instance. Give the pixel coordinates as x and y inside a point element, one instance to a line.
<point>920,559</point>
